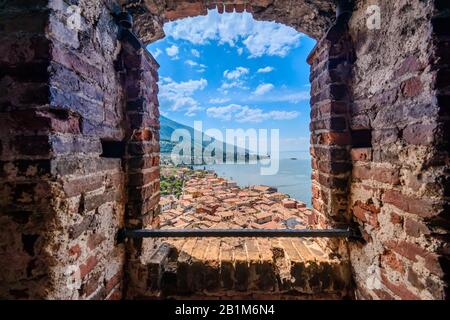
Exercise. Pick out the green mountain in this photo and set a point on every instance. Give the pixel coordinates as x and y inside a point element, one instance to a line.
<point>165,132</point>
<point>168,126</point>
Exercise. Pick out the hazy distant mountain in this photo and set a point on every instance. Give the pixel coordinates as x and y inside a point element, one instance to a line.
<point>168,126</point>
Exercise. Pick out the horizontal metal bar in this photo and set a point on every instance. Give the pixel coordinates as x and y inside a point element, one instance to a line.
<point>220,233</point>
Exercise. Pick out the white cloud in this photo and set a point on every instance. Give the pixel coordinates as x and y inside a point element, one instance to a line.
<point>288,97</point>
<point>192,111</point>
<point>230,85</point>
<point>201,67</point>
<point>248,114</point>
<point>224,113</point>
<point>263,89</point>
<point>265,70</point>
<point>259,37</point>
<point>179,95</point>
<point>172,51</point>
<point>156,53</point>
<point>283,115</point>
<point>195,53</point>
<point>191,63</point>
<point>236,73</point>
<point>234,79</point>
<point>240,51</point>
<point>182,103</point>
<point>257,115</point>
<point>271,39</point>
<point>219,100</point>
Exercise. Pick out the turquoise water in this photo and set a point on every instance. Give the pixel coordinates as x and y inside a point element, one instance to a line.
<point>293,177</point>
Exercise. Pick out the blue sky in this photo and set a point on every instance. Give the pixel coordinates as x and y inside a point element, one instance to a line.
<point>231,71</point>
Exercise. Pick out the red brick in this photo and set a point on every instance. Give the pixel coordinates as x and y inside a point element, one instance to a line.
<point>389,258</point>
<point>89,264</point>
<point>385,175</point>
<point>333,123</point>
<point>400,290</point>
<point>83,184</point>
<point>361,172</point>
<point>143,135</point>
<point>421,207</point>
<point>396,218</point>
<point>94,240</point>
<point>115,295</point>
<point>336,138</point>
<point>91,286</point>
<point>411,251</point>
<point>329,108</point>
<point>229,8</point>
<point>331,181</point>
<point>366,212</point>
<point>239,8</point>
<point>419,134</point>
<point>138,194</point>
<point>142,178</point>
<point>75,251</point>
<point>411,87</point>
<point>410,65</point>
<point>186,9</point>
<point>361,154</point>
<point>334,167</point>
<point>414,228</point>
<point>113,281</point>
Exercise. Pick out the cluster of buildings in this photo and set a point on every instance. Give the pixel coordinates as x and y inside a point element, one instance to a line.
<point>208,201</point>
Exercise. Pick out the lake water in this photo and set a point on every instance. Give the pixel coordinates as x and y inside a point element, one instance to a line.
<point>293,177</point>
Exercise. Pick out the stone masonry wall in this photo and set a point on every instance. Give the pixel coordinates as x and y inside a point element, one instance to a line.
<point>140,76</point>
<point>25,169</point>
<point>331,62</point>
<point>242,268</point>
<point>397,194</point>
<point>61,201</point>
<point>378,112</point>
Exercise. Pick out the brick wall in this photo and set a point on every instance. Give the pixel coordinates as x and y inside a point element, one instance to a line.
<point>238,268</point>
<point>331,62</point>
<point>25,171</point>
<point>398,177</point>
<point>379,150</point>
<point>140,76</point>
<point>61,201</point>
